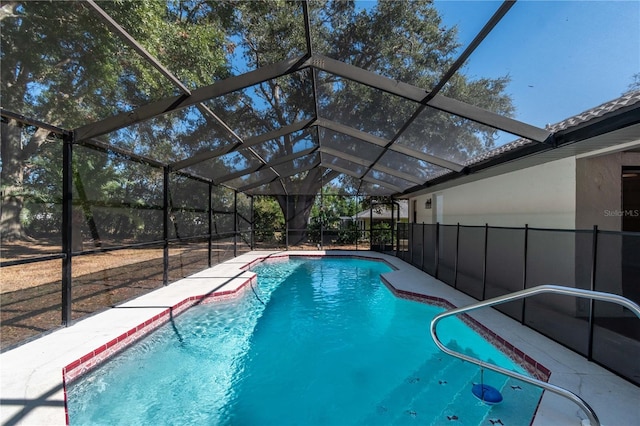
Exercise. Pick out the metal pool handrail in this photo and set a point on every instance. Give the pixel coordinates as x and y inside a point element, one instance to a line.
<point>594,295</point>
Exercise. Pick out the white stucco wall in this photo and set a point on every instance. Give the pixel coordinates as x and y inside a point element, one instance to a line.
<point>543,196</point>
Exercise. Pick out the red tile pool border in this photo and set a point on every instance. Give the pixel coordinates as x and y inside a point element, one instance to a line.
<point>533,367</point>
<point>98,356</point>
<point>93,359</point>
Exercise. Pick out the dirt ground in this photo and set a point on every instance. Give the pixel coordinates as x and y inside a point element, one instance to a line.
<point>31,294</point>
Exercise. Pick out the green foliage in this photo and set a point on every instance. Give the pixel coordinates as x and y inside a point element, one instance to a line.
<point>63,65</point>
<point>348,234</point>
<point>268,219</point>
<point>381,234</point>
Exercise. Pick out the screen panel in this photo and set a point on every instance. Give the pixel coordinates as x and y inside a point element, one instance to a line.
<point>63,65</point>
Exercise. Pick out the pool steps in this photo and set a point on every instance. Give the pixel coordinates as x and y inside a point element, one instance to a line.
<point>417,398</point>
<point>542,289</point>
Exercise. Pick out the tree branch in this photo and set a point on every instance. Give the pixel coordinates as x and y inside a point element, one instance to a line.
<point>8,10</point>
<point>35,142</point>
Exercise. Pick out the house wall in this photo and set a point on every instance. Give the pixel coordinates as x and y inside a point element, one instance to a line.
<point>599,190</point>
<point>599,202</point>
<point>571,193</point>
<point>542,196</point>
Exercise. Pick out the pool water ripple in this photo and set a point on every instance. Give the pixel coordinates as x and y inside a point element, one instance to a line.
<point>332,346</point>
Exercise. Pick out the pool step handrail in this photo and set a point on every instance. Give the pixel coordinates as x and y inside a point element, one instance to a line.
<point>556,289</point>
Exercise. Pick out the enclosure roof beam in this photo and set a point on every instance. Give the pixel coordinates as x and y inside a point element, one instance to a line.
<point>106,18</point>
<point>329,175</point>
<point>358,134</point>
<point>484,32</point>
<point>261,182</point>
<point>382,183</point>
<point>201,94</point>
<point>365,163</point>
<point>275,134</point>
<point>105,147</point>
<point>202,156</point>
<point>350,131</point>
<point>411,152</point>
<point>277,161</point>
<point>497,16</point>
<point>438,101</point>
<point>231,176</point>
<point>291,157</point>
<point>10,115</point>
<point>307,27</point>
<point>128,38</point>
<point>345,156</point>
<point>272,179</point>
<point>206,112</point>
<point>255,140</point>
<point>368,179</point>
<point>397,173</point>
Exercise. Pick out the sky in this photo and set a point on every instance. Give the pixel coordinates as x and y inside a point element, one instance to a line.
<point>563,57</point>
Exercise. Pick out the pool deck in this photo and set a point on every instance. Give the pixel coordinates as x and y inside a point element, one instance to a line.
<point>31,375</point>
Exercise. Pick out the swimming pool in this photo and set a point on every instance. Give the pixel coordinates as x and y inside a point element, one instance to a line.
<point>322,341</point>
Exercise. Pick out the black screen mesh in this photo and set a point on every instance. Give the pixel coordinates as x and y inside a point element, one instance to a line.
<point>505,267</point>
<point>417,245</point>
<point>559,257</point>
<point>616,333</point>
<point>470,260</point>
<point>429,254</point>
<point>447,253</point>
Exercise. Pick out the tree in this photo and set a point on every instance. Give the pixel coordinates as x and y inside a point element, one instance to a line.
<point>405,41</point>
<point>634,85</point>
<point>267,219</point>
<point>63,66</point>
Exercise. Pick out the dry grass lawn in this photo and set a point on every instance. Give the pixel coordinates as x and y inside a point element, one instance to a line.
<point>31,294</point>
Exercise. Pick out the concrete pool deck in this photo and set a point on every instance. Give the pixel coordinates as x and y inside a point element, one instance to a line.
<point>31,375</point>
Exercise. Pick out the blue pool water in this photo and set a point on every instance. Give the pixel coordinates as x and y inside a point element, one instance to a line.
<point>330,346</point>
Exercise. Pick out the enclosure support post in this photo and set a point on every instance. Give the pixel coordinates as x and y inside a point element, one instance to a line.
<point>322,217</point>
<point>484,262</point>
<point>437,249</point>
<point>210,210</point>
<point>594,261</point>
<point>67,225</point>
<point>393,223</point>
<point>253,231</point>
<point>286,222</point>
<point>411,241</point>
<point>235,223</point>
<point>524,269</point>
<point>422,254</point>
<point>165,226</point>
<point>455,260</point>
<point>371,227</point>
<point>355,216</point>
